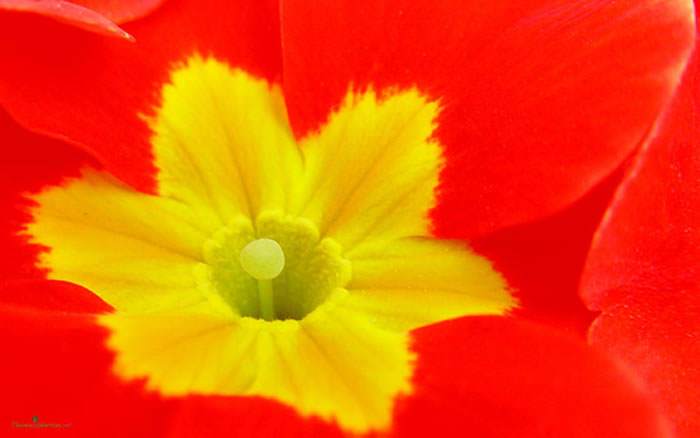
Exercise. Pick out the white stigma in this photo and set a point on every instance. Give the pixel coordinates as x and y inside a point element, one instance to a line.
<point>262,259</point>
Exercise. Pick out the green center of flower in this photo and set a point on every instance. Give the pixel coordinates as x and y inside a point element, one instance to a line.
<point>276,268</point>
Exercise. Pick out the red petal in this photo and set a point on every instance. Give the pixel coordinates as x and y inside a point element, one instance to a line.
<point>542,261</point>
<point>656,333</point>
<point>254,417</point>
<point>28,163</point>
<point>643,270</point>
<point>100,13</point>
<point>650,239</point>
<point>500,377</point>
<point>55,367</point>
<point>68,12</point>
<point>542,98</point>
<point>121,11</point>
<point>49,295</point>
<point>93,91</point>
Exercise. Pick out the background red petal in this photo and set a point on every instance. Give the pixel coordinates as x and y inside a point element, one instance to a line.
<point>542,98</point>
<point>650,239</point>
<point>644,268</point>
<point>93,91</point>
<point>86,12</point>
<point>501,377</point>
<point>656,333</point>
<point>121,11</point>
<point>83,17</point>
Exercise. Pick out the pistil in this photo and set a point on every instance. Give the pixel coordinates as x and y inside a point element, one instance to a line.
<point>263,259</point>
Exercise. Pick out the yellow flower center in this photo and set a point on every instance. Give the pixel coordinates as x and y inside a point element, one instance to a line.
<point>266,266</point>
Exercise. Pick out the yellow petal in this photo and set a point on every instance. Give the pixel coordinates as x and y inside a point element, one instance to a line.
<point>407,283</point>
<point>333,364</point>
<point>99,237</point>
<point>372,170</point>
<point>222,142</point>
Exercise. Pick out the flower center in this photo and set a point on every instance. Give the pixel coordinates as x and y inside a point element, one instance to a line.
<point>277,268</point>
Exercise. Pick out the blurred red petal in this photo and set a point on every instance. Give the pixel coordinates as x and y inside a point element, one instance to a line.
<point>542,98</point>
<point>650,239</point>
<point>500,377</point>
<point>643,271</point>
<point>86,18</point>
<point>656,333</point>
<point>121,11</point>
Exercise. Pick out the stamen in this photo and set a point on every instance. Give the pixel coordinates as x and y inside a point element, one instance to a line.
<point>263,259</point>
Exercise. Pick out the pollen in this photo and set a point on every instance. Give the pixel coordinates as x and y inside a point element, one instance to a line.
<point>263,259</point>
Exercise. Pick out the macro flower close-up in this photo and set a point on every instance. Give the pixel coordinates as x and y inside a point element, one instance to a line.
<point>349,218</point>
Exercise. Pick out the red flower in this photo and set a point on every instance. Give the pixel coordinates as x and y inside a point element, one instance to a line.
<point>260,226</point>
